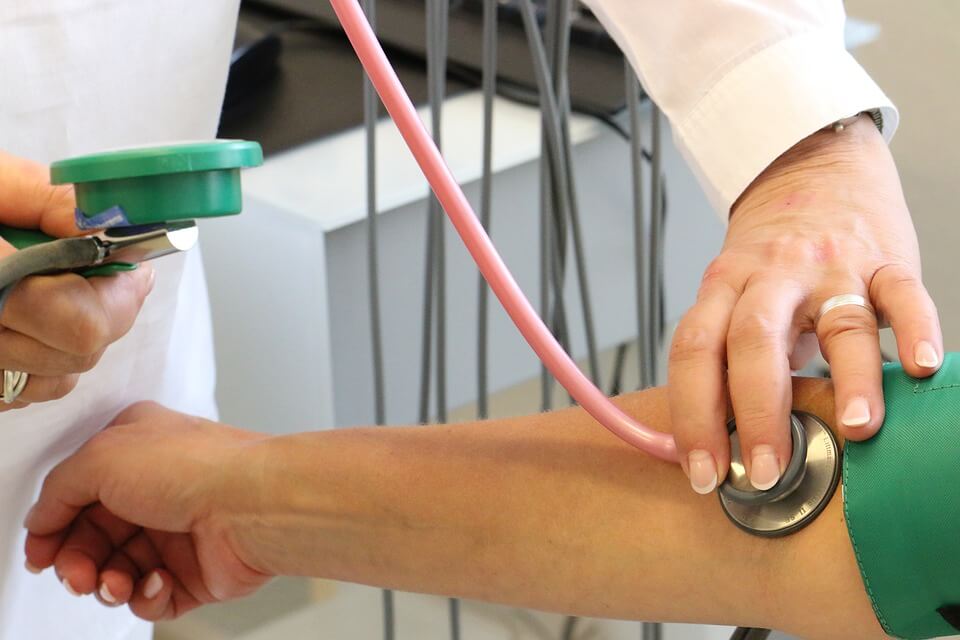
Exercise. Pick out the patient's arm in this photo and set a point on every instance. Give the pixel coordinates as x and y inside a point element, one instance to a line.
<point>547,511</point>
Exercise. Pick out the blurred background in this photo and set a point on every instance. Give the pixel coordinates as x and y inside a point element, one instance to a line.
<point>303,101</point>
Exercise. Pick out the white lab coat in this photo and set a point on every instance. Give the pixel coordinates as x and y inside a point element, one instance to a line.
<point>742,81</point>
<point>78,76</point>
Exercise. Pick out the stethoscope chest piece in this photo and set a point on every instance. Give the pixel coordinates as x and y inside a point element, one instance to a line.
<point>801,494</point>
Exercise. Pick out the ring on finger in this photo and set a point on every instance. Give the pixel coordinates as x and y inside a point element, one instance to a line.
<point>14,382</point>
<point>843,300</point>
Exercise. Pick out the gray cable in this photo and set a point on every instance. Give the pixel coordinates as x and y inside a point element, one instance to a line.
<point>656,241</point>
<point>547,251</point>
<point>546,382</point>
<point>370,108</point>
<point>640,225</point>
<point>551,125</point>
<point>437,12</point>
<point>489,83</point>
<point>555,201</point>
<point>558,201</point>
<point>441,9</point>
<point>426,342</point>
<point>562,88</point>
<point>651,631</point>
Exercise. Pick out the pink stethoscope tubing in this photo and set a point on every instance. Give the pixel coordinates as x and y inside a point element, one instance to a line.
<point>478,243</point>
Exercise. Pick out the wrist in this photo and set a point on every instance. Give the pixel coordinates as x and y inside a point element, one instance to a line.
<point>824,161</point>
<point>239,504</point>
<point>306,507</point>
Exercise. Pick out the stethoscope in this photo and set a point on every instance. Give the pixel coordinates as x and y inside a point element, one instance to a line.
<point>813,471</point>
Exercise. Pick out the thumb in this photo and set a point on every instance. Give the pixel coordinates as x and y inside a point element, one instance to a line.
<point>29,201</point>
<point>69,488</point>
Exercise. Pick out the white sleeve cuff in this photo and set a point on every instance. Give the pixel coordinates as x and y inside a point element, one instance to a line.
<point>768,103</point>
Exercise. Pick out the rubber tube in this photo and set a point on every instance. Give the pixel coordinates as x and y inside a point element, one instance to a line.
<point>457,207</point>
<point>62,255</point>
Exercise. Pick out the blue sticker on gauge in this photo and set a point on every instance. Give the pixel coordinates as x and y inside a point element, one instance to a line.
<point>112,217</point>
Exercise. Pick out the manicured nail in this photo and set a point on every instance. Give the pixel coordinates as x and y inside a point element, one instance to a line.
<point>70,589</point>
<point>153,586</point>
<point>925,355</point>
<point>151,277</point>
<point>106,595</point>
<point>32,569</point>
<point>857,413</point>
<point>765,470</point>
<point>703,471</point>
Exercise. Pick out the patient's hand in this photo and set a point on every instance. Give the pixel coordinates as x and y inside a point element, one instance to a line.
<point>150,538</point>
<point>56,327</point>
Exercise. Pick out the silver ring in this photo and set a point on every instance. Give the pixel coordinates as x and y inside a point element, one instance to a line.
<point>843,300</point>
<point>14,383</point>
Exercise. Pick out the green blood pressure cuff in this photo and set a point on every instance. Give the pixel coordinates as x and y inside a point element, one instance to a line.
<point>902,503</point>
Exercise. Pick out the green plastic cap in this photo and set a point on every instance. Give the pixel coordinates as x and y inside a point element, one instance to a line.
<point>162,183</point>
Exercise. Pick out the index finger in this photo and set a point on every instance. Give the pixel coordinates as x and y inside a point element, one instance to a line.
<point>29,201</point>
<point>697,393</point>
<point>758,353</point>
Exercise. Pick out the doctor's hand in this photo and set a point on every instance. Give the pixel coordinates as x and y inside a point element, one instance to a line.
<point>136,516</point>
<point>56,327</point>
<point>825,219</point>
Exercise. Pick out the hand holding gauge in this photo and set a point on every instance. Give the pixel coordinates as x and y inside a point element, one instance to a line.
<point>143,202</point>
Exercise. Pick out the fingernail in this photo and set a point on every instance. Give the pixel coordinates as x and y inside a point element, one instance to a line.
<point>106,595</point>
<point>153,586</point>
<point>765,470</point>
<point>857,413</point>
<point>151,276</point>
<point>70,589</point>
<point>703,471</point>
<point>925,355</point>
<point>32,569</point>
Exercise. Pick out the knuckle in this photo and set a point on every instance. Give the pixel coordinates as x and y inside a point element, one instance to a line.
<point>753,331</point>
<point>793,247</point>
<point>708,435</point>
<point>63,386</point>
<point>90,332</point>
<point>895,276</point>
<point>755,420</point>
<point>790,247</point>
<point>692,343</point>
<point>717,269</point>
<point>846,322</point>
<point>85,363</point>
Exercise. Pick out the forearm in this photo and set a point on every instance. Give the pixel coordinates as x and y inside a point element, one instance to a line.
<point>547,511</point>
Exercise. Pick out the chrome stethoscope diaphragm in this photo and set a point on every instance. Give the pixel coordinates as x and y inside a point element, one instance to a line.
<point>804,489</point>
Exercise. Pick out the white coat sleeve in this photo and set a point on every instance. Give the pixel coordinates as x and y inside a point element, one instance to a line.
<point>742,81</point>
